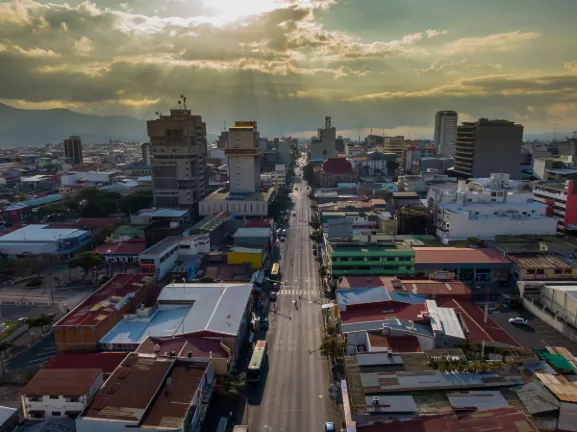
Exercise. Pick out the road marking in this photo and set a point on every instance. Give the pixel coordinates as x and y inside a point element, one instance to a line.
<point>42,359</point>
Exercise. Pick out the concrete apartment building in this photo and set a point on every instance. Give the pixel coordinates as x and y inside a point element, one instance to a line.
<point>487,146</point>
<point>73,149</point>
<point>179,151</point>
<point>244,196</point>
<point>323,146</point>
<point>446,132</point>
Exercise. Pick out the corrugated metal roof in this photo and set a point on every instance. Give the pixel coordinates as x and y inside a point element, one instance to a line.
<point>565,390</point>
<point>477,400</point>
<point>378,359</point>
<point>536,398</point>
<point>444,320</point>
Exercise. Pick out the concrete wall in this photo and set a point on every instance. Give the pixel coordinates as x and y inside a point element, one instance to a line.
<point>560,326</point>
<point>504,141</point>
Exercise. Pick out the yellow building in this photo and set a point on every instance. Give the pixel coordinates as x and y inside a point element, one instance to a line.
<point>243,255</point>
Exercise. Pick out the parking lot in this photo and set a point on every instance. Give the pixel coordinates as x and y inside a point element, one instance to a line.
<point>535,335</point>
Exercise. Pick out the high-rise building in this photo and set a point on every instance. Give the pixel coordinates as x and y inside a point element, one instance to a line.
<point>446,132</point>
<point>396,145</point>
<point>73,149</point>
<point>323,146</point>
<point>146,153</point>
<point>243,152</point>
<point>179,151</point>
<point>488,146</point>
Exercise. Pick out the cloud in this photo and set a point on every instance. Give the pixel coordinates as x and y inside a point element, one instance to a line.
<point>495,42</point>
<point>453,67</point>
<point>434,33</point>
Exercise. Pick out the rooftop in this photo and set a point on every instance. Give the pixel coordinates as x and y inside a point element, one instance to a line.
<point>252,232</point>
<point>225,195</point>
<point>110,297</point>
<point>337,165</point>
<point>397,344</point>
<point>383,310</point>
<point>477,400</point>
<point>41,233</point>
<point>564,389</point>
<point>161,246</point>
<point>542,261</point>
<point>131,247</point>
<point>107,361</point>
<point>169,213</point>
<point>69,382</point>
<point>362,289</point>
<point>456,255</point>
<point>182,345</point>
<point>444,320</point>
<point>210,223</point>
<point>476,329</point>
<point>43,200</point>
<point>497,420</point>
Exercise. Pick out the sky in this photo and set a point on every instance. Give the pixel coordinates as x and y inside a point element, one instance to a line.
<point>385,65</point>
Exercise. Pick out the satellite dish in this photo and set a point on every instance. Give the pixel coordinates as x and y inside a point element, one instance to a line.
<point>156,348</point>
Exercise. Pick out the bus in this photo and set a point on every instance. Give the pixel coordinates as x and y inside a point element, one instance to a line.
<point>275,272</point>
<point>257,362</point>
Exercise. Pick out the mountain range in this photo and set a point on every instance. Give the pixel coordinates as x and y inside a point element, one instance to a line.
<point>31,127</point>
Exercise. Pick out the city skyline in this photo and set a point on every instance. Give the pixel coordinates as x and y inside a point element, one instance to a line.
<point>288,64</point>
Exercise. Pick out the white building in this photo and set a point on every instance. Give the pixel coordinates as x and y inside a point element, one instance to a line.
<point>446,132</point>
<point>161,257</point>
<point>243,150</point>
<point>488,207</point>
<point>323,146</point>
<point>58,393</point>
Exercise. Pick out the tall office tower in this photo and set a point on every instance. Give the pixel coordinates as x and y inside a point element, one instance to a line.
<point>179,152</point>
<point>446,132</point>
<point>73,149</point>
<point>146,153</point>
<point>323,146</point>
<point>489,146</point>
<point>243,152</point>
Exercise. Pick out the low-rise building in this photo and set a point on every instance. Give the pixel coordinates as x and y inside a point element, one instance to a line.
<point>543,266</point>
<point>61,243</point>
<point>354,258</point>
<point>82,328</point>
<point>467,264</point>
<point>336,170</point>
<point>121,252</point>
<point>60,392</point>
<point>254,237</point>
<point>151,392</point>
<point>241,255</point>
<point>241,204</point>
<point>215,311</point>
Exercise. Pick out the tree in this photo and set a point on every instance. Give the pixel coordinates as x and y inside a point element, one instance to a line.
<point>309,175</point>
<point>52,209</point>
<point>26,266</point>
<point>136,202</point>
<point>234,384</point>
<point>332,347</point>
<point>93,209</point>
<point>42,321</point>
<point>85,260</point>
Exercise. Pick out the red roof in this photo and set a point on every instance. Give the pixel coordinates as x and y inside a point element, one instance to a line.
<point>397,344</point>
<point>424,287</point>
<point>107,361</point>
<point>258,223</point>
<point>199,347</point>
<point>92,223</point>
<point>337,165</point>
<point>382,310</point>
<point>130,247</point>
<point>508,419</point>
<point>455,255</point>
<point>474,319</point>
<point>103,302</point>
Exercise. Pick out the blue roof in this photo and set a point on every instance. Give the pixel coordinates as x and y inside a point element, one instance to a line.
<point>351,296</point>
<point>43,200</point>
<point>346,185</point>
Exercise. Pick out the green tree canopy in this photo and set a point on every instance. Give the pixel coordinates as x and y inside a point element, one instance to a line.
<point>52,209</point>
<point>86,260</point>
<point>26,266</point>
<point>136,202</point>
<point>332,347</point>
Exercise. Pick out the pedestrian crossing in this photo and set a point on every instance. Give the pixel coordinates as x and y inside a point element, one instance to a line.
<point>293,292</point>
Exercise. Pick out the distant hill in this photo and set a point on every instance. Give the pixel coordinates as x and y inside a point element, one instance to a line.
<point>36,127</point>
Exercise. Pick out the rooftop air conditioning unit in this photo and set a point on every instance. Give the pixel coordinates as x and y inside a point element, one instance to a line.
<point>375,400</point>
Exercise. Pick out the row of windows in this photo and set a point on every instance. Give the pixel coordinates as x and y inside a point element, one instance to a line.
<point>383,259</point>
<point>556,271</point>
<point>54,396</point>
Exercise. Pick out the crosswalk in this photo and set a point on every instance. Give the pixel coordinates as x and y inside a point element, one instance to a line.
<point>293,292</point>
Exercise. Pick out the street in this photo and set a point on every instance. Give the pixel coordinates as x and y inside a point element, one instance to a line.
<point>295,394</point>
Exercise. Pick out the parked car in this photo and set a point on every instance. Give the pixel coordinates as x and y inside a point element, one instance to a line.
<point>272,296</point>
<point>294,213</point>
<point>518,321</point>
<point>264,323</point>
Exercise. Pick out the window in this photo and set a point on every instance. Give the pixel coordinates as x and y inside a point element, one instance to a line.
<point>55,413</point>
<point>567,271</point>
<point>530,271</point>
<point>34,399</point>
<point>540,271</point>
<point>53,396</point>
<point>558,271</point>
